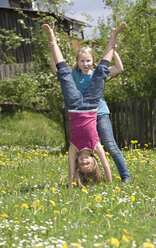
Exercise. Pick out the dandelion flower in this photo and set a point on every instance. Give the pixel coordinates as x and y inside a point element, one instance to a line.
<point>84,190</point>
<point>3,192</point>
<point>132,198</point>
<point>52,203</point>
<point>92,222</point>
<point>109,216</point>
<point>98,198</point>
<point>65,246</point>
<point>76,244</point>
<point>117,189</point>
<point>125,239</point>
<point>148,245</point>
<point>25,205</point>
<point>74,183</point>
<point>4,215</point>
<point>56,212</point>
<point>114,241</point>
<point>53,189</point>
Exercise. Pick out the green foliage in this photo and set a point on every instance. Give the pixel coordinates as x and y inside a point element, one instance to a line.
<point>9,41</point>
<point>38,92</point>
<point>136,46</point>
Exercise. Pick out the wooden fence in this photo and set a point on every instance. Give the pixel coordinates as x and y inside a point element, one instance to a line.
<point>9,70</point>
<point>131,120</point>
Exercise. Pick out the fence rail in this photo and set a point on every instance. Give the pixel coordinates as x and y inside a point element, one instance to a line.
<point>131,120</point>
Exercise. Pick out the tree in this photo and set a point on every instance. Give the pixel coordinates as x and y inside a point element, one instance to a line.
<point>136,47</point>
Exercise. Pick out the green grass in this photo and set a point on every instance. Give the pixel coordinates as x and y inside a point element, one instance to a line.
<point>37,209</point>
<point>30,129</point>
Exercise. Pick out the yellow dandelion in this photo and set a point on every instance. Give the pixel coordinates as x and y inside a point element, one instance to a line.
<point>77,244</point>
<point>89,203</point>
<point>56,212</point>
<point>114,241</point>
<point>148,245</point>
<point>25,205</point>
<point>74,183</point>
<point>125,230</point>
<point>17,221</point>
<point>42,207</point>
<point>4,215</point>
<point>37,202</point>
<point>117,189</point>
<point>53,189</point>
<point>3,192</point>
<point>92,222</point>
<point>151,176</point>
<point>98,198</point>
<point>109,216</point>
<point>136,176</point>
<point>52,203</point>
<point>84,190</point>
<point>132,198</point>
<point>125,239</point>
<point>61,180</point>
<point>65,246</point>
<point>146,145</point>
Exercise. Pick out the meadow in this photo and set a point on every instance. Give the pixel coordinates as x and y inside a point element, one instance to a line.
<point>39,209</point>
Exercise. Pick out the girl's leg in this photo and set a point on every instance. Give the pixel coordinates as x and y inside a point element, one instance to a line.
<point>72,96</point>
<point>106,134</point>
<point>57,55</point>
<point>108,54</point>
<point>95,89</point>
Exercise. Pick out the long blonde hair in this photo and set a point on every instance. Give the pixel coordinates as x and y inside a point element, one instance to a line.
<point>95,175</point>
<point>82,50</point>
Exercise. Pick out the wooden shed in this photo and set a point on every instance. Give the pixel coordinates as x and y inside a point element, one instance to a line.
<point>11,14</point>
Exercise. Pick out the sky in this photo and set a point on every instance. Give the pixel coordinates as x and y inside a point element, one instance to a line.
<point>94,8</point>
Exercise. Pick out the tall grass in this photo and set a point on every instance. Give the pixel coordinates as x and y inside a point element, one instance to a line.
<point>30,129</point>
<point>38,209</point>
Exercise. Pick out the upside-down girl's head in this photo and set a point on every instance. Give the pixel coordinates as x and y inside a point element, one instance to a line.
<point>88,169</point>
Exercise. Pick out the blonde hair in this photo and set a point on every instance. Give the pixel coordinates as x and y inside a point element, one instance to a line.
<point>95,175</point>
<point>82,50</point>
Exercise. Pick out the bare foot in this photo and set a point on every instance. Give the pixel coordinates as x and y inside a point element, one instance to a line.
<point>117,30</point>
<point>49,31</point>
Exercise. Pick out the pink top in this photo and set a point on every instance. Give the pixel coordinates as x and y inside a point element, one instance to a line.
<point>83,129</point>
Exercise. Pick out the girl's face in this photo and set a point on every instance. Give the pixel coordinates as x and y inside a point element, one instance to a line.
<point>85,161</point>
<point>85,62</point>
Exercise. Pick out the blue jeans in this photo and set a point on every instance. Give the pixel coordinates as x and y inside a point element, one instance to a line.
<point>105,132</point>
<point>73,98</point>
